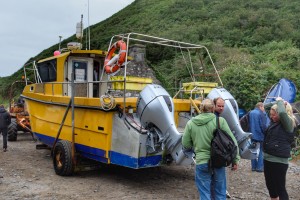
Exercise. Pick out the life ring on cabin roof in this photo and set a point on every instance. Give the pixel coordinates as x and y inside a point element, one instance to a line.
<point>113,64</point>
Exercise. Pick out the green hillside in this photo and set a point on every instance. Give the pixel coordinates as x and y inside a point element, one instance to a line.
<point>253,43</point>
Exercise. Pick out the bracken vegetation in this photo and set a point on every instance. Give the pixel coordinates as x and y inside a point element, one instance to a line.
<point>253,43</point>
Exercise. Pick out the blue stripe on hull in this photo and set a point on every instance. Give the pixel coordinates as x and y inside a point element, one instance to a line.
<point>115,157</point>
<point>86,151</point>
<point>128,161</point>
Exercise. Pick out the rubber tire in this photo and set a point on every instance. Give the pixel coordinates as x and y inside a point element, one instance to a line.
<point>20,128</point>
<point>12,131</point>
<point>62,158</point>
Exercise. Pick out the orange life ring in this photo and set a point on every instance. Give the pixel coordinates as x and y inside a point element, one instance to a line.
<point>113,66</point>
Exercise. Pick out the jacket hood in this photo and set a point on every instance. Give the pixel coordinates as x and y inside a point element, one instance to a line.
<point>203,118</point>
<point>2,110</point>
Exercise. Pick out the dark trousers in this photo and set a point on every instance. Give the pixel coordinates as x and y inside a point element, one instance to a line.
<point>4,133</point>
<point>275,177</point>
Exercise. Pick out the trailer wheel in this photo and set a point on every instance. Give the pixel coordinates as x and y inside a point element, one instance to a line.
<point>12,131</point>
<point>62,158</point>
<point>20,128</point>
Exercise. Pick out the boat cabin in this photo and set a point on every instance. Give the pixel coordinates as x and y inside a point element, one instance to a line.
<point>86,70</point>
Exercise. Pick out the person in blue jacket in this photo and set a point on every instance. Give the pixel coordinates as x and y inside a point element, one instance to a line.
<point>258,125</point>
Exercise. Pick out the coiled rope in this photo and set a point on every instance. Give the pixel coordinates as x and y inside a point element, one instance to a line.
<point>107,102</point>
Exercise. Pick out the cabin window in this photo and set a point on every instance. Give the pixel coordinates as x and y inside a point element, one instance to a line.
<point>80,71</point>
<point>47,70</point>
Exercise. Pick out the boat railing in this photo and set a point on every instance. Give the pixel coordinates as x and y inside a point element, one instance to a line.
<point>29,68</point>
<point>88,89</point>
<point>195,89</point>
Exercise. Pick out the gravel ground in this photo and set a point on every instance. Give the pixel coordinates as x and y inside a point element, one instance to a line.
<point>27,173</point>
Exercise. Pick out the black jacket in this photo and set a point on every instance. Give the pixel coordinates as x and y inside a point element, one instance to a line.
<point>5,119</point>
<point>278,141</point>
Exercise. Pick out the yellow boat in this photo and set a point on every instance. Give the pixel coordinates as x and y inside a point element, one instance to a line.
<point>84,103</point>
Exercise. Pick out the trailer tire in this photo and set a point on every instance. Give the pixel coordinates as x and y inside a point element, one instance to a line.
<point>12,131</point>
<point>62,158</point>
<point>20,128</point>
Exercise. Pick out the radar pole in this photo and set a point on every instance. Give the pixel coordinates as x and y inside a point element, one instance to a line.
<point>89,25</point>
<point>59,42</point>
<point>81,28</point>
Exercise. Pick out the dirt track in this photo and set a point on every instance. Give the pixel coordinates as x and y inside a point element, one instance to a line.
<point>27,173</point>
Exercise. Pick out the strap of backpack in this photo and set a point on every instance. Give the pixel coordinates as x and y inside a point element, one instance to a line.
<point>210,168</point>
<point>218,122</point>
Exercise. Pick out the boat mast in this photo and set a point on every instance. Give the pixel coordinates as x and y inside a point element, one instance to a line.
<point>89,32</point>
<point>81,27</point>
<point>59,42</point>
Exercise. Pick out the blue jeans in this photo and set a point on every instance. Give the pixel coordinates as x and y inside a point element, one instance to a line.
<point>204,178</point>
<point>258,164</point>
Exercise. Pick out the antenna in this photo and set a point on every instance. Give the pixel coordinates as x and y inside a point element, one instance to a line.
<point>89,25</point>
<point>86,39</point>
<point>59,42</point>
<point>81,28</point>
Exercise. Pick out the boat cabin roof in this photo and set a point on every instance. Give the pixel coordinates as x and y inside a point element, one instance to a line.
<point>66,54</point>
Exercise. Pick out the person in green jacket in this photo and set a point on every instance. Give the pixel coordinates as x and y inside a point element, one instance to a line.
<point>197,135</point>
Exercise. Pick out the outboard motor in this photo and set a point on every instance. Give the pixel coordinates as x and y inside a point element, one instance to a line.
<point>155,109</point>
<point>230,113</point>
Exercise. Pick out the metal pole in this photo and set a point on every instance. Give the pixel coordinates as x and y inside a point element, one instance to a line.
<point>61,125</point>
<point>81,31</point>
<point>25,74</point>
<point>59,42</point>
<point>89,25</point>
<point>73,134</point>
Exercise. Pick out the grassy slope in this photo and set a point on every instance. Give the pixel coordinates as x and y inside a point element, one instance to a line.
<point>234,30</point>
